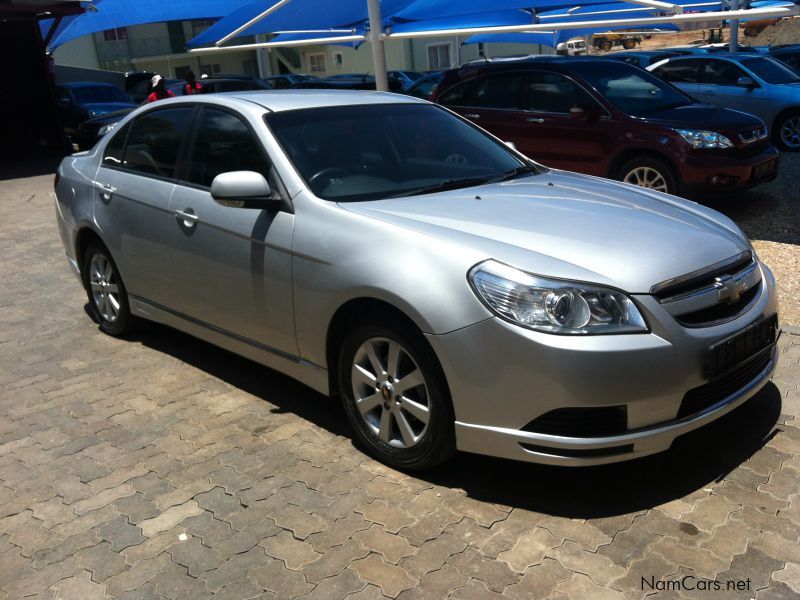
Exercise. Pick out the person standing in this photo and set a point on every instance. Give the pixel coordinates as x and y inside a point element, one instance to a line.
<point>191,87</point>
<point>159,90</point>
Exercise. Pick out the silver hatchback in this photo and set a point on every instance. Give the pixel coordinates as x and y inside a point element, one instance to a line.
<point>759,85</point>
<point>452,293</point>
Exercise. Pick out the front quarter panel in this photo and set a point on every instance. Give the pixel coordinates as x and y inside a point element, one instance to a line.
<point>341,256</point>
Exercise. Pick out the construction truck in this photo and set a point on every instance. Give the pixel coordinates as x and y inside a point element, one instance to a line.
<point>607,41</point>
<point>571,48</point>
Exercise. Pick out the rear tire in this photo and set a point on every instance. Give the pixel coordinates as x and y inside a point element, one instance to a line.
<point>395,395</point>
<point>649,172</point>
<point>786,131</point>
<point>108,298</point>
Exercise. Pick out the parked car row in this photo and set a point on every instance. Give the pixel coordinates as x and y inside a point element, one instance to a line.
<point>611,119</point>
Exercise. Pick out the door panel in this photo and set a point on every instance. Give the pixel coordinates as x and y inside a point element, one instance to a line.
<point>233,265</point>
<point>133,189</point>
<point>718,86</point>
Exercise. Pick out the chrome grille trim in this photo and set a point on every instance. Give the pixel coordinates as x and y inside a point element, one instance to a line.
<point>748,137</point>
<point>661,290</point>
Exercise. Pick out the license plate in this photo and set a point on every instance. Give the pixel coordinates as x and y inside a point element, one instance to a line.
<point>730,352</point>
<point>764,169</point>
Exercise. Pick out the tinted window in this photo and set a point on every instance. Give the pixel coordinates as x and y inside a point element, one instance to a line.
<point>554,93</point>
<point>498,91</point>
<point>223,143</point>
<point>112,156</point>
<point>769,70</point>
<point>793,60</point>
<point>633,91</point>
<point>154,141</point>
<point>377,151</point>
<point>424,89</point>
<point>458,95</point>
<point>721,72</point>
<point>680,71</point>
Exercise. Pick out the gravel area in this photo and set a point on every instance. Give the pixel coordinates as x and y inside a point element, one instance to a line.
<point>770,216</point>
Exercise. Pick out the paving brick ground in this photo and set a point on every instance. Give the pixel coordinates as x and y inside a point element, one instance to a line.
<point>161,467</point>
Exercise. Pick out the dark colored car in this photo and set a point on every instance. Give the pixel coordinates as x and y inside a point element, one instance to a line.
<point>91,130</point>
<point>213,85</point>
<point>643,58</point>
<point>354,81</point>
<point>134,78</point>
<point>139,92</point>
<point>80,101</point>
<point>788,55</point>
<point>607,118</point>
<point>425,85</point>
<point>404,78</point>
<point>281,82</point>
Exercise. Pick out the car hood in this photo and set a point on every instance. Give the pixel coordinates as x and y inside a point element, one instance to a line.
<point>705,116</point>
<point>106,107</point>
<point>571,226</point>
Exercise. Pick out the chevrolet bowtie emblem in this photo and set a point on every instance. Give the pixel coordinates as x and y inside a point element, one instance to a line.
<point>729,289</point>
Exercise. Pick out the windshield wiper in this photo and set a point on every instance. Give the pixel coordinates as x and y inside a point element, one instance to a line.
<point>516,172</point>
<point>443,186</point>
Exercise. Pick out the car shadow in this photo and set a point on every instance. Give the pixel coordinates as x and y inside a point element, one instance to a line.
<point>694,461</point>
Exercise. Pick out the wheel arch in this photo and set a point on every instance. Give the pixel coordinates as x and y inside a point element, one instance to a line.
<point>774,133</point>
<point>629,153</point>
<point>361,309</point>
<point>83,238</point>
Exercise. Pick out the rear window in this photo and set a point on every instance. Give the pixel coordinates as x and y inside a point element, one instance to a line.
<point>770,70</point>
<point>680,71</point>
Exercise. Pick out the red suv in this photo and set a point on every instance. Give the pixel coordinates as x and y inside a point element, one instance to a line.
<point>611,119</point>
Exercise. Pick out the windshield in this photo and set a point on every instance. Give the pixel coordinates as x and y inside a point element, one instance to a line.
<point>770,70</point>
<point>98,93</point>
<point>369,152</point>
<point>632,90</point>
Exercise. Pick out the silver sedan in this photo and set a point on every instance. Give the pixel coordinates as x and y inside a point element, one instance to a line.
<point>748,82</point>
<point>453,294</point>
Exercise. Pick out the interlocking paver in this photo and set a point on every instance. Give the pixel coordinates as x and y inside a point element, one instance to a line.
<point>184,471</point>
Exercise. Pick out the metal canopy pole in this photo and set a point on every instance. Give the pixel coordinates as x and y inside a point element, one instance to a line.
<point>733,33</point>
<point>375,37</point>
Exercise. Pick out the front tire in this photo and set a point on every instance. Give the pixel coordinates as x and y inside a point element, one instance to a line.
<point>649,172</point>
<point>395,396</point>
<point>787,131</point>
<point>108,298</point>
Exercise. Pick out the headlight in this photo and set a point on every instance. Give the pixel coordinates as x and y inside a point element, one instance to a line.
<point>704,139</point>
<point>105,129</point>
<point>554,306</point>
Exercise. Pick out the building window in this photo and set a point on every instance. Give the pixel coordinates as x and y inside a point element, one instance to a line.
<point>439,56</point>
<point>112,35</point>
<point>338,59</point>
<point>210,70</point>
<point>316,63</point>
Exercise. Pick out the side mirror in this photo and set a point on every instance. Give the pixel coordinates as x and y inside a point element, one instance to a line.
<point>746,82</point>
<point>243,189</point>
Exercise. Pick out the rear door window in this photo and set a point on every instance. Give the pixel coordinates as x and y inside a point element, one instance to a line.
<point>499,91</point>
<point>680,71</point>
<point>155,140</point>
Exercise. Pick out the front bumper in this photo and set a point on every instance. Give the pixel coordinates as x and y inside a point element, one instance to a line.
<point>713,175</point>
<point>503,377</point>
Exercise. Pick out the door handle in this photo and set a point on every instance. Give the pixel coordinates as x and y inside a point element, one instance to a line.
<point>189,218</point>
<point>105,189</point>
<point>534,120</point>
<point>472,116</point>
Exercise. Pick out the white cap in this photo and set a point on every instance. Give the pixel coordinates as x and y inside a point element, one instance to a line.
<point>154,81</point>
<point>204,76</point>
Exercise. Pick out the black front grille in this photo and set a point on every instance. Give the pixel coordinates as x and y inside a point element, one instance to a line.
<point>581,422</point>
<point>719,312</point>
<point>700,398</point>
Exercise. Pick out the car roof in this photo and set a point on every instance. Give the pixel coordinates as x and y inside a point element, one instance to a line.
<point>283,100</point>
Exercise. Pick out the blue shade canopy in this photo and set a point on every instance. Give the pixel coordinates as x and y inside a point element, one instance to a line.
<point>111,14</point>
<point>296,15</point>
<point>553,38</point>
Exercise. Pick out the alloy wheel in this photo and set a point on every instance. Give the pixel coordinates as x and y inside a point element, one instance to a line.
<point>647,177</point>
<point>790,132</point>
<point>390,392</point>
<point>104,287</point>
